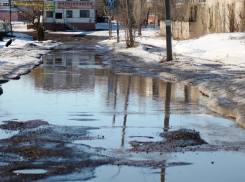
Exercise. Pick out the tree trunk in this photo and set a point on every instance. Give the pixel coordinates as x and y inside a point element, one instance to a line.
<point>130,26</point>
<point>131,39</point>
<point>139,29</point>
<point>147,17</point>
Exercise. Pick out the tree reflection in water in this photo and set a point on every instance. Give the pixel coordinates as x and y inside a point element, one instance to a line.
<point>125,109</point>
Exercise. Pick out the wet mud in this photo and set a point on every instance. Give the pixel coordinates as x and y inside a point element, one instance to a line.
<point>39,145</point>
<point>173,141</point>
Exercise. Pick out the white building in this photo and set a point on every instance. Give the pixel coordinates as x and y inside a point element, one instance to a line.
<point>63,15</point>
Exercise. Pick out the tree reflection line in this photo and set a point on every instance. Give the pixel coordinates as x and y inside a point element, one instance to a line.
<point>126,102</point>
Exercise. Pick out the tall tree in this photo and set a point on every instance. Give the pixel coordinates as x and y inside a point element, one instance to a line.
<point>126,19</point>
<point>130,22</point>
<point>140,13</point>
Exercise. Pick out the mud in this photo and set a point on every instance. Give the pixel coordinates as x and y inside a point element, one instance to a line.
<point>173,141</point>
<point>39,145</point>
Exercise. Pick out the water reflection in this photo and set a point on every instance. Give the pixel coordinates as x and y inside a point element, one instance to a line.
<point>125,109</point>
<point>75,88</point>
<point>74,72</point>
<point>163,171</point>
<point>115,98</point>
<point>167,107</point>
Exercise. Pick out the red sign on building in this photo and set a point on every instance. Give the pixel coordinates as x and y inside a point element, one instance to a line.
<point>75,5</point>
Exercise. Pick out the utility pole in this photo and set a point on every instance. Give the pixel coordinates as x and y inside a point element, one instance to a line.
<point>168,31</point>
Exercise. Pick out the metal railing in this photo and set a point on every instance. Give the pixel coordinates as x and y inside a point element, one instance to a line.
<point>70,25</point>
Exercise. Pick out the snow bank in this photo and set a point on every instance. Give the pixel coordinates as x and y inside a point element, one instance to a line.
<point>22,55</point>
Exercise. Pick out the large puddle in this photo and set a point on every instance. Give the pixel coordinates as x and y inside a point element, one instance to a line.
<point>76,89</point>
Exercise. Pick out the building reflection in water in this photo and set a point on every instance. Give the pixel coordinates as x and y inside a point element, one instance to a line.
<point>76,71</point>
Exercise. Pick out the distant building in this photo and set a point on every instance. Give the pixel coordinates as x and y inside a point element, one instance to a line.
<point>201,17</point>
<point>61,15</point>
<point>6,11</point>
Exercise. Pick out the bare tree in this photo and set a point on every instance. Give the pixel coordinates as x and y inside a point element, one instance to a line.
<point>32,14</point>
<point>100,7</point>
<point>232,21</point>
<point>157,7</point>
<point>130,22</point>
<point>226,19</point>
<point>177,10</point>
<point>242,16</point>
<point>140,13</point>
<point>126,19</point>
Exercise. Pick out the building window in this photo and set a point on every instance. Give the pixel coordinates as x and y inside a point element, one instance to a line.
<point>180,1</point>
<point>49,61</point>
<point>58,15</point>
<point>68,62</point>
<point>49,14</point>
<point>58,60</point>
<point>84,14</point>
<point>68,13</point>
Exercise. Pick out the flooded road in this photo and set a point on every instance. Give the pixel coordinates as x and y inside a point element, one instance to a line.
<point>75,88</point>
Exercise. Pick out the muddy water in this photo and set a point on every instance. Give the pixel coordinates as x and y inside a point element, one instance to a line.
<point>74,88</point>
